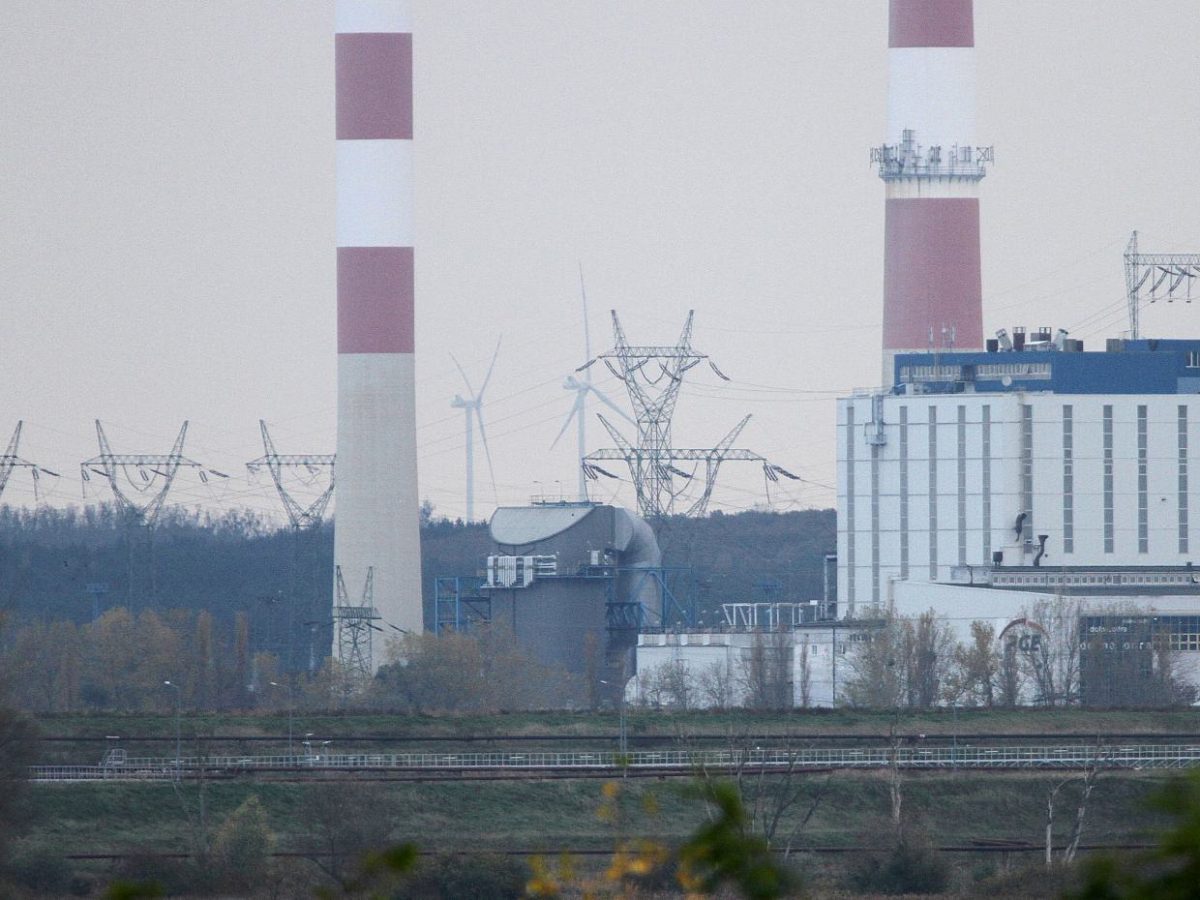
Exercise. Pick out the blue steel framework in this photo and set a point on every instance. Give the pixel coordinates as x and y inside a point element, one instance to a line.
<point>459,602</point>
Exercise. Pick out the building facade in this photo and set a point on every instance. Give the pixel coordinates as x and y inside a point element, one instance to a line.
<point>974,463</point>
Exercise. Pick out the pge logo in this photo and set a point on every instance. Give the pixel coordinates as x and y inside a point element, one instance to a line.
<point>1023,635</point>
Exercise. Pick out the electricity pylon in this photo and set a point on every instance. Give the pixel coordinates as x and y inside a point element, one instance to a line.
<point>142,498</point>
<point>275,462</point>
<point>10,461</point>
<point>305,519</point>
<point>653,376</point>
<point>1176,269</point>
<point>140,483</point>
<point>355,625</point>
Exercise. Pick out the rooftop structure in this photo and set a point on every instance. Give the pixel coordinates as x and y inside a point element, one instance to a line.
<point>1051,362</point>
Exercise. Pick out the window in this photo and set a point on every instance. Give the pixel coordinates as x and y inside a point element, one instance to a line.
<point>1068,478</point>
<point>1143,482</point>
<point>1108,479</point>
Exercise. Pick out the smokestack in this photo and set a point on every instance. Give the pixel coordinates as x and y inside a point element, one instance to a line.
<point>376,528</point>
<point>932,291</point>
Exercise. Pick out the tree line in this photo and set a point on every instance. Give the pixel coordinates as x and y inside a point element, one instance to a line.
<point>75,562</point>
<point>1056,653</point>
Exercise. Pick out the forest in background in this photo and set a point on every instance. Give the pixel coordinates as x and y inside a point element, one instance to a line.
<point>75,564</point>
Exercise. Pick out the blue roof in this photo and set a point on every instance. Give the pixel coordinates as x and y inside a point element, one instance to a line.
<point>1145,366</point>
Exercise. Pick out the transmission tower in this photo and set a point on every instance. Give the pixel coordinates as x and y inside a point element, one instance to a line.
<point>1175,269</point>
<point>299,515</point>
<point>10,461</point>
<point>141,499</point>
<point>653,376</point>
<point>140,483</point>
<point>305,520</point>
<point>355,625</point>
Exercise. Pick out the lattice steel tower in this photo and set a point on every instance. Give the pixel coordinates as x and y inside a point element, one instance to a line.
<point>10,461</point>
<point>305,519</point>
<point>1176,269</point>
<point>653,376</point>
<point>140,483</point>
<point>355,625</point>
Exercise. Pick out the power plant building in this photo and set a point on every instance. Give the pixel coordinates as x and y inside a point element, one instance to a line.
<point>574,582</point>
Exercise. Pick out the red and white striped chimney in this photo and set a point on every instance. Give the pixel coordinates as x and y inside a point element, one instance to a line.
<point>377,527</point>
<point>932,290</point>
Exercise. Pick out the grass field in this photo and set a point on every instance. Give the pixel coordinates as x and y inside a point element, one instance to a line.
<point>950,808</point>
<point>945,808</point>
<point>640,722</point>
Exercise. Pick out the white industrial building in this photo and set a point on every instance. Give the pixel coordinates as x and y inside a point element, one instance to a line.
<point>985,485</point>
<point>981,463</point>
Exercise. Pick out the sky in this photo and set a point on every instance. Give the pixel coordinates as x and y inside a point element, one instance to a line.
<point>167,245</point>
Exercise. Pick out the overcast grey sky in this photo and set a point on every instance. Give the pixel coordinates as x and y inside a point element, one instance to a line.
<point>167,215</point>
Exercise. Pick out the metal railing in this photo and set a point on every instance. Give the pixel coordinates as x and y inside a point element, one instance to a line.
<point>1142,756</point>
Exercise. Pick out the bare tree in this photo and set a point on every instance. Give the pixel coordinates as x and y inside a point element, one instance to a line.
<point>766,671</point>
<point>675,684</point>
<point>804,671</point>
<point>978,667</point>
<point>344,821</point>
<point>1051,658</point>
<point>1088,779</point>
<point>895,778</point>
<point>716,684</point>
<point>876,681</point>
<point>902,662</point>
<point>1010,676</point>
<point>769,794</point>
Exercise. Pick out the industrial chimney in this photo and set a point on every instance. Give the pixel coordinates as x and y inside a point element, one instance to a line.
<point>931,168</point>
<point>376,536</point>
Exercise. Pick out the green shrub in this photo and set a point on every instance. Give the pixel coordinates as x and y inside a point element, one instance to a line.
<point>39,868</point>
<point>241,850</point>
<point>909,866</point>
<point>473,877</point>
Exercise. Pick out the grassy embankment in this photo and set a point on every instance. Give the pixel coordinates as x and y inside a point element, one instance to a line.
<point>950,808</point>
<point>641,723</point>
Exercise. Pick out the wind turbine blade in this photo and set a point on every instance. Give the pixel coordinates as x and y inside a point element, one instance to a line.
<point>464,375</point>
<point>487,453</point>
<point>575,411</point>
<point>488,376</point>
<point>607,402</point>
<point>587,339</point>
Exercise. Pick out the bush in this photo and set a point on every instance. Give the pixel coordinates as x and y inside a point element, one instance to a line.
<point>39,868</point>
<point>169,876</point>
<point>241,851</point>
<point>474,877</point>
<point>909,867</point>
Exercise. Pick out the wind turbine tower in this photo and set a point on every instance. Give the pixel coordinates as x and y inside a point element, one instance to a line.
<point>472,407</point>
<point>579,407</point>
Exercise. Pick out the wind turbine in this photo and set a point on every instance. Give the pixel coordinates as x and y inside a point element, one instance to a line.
<point>582,389</point>
<point>472,407</point>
